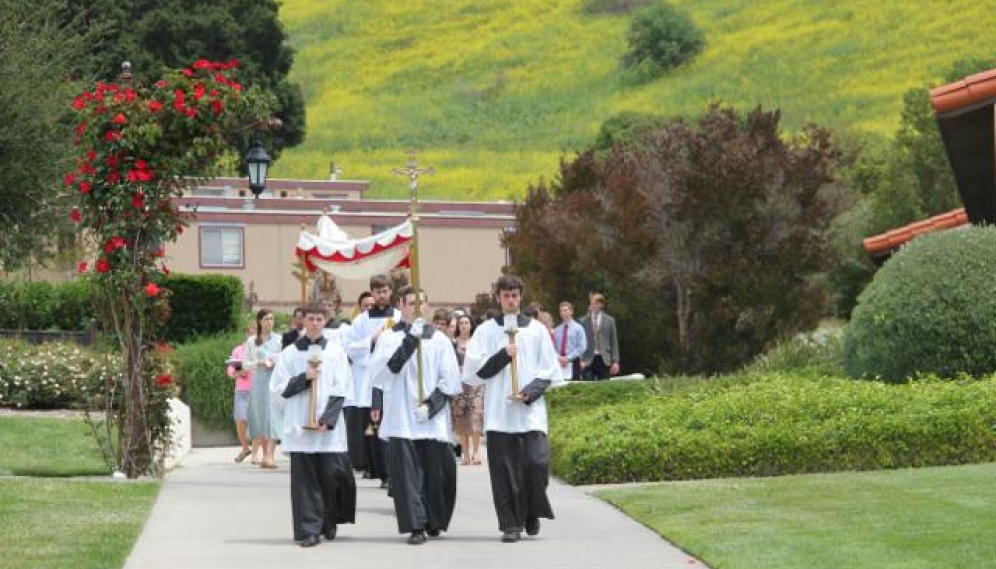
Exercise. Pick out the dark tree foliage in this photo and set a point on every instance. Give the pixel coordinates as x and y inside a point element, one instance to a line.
<point>167,34</point>
<point>35,133</point>
<point>706,237</point>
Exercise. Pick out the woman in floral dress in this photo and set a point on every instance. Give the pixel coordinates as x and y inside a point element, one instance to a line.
<point>468,407</point>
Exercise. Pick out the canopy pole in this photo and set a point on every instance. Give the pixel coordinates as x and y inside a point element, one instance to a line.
<point>412,171</point>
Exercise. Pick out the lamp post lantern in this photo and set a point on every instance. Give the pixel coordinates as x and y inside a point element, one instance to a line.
<point>258,162</point>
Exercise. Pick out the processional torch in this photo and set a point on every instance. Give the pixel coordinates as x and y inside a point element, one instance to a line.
<point>511,329</point>
<point>314,363</point>
<point>413,172</point>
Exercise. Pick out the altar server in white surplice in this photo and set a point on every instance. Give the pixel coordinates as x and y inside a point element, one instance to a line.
<point>323,490</point>
<point>417,428</point>
<point>515,420</point>
<point>366,331</point>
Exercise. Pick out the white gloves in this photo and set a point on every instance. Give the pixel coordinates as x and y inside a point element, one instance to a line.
<point>422,413</point>
<point>417,327</point>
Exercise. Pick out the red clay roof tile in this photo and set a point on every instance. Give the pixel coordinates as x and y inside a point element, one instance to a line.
<point>963,94</point>
<point>883,243</point>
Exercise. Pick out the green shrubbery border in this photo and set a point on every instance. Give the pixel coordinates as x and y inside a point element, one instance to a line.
<point>773,425</point>
<point>205,387</point>
<point>203,305</point>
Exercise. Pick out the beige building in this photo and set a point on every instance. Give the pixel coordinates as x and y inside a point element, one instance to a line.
<point>461,252</point>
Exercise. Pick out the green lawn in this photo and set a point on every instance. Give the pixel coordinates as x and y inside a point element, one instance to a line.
<point>77,524</point>
<point>905,519</point>
<point>33,446</point>
<point>493,92</point>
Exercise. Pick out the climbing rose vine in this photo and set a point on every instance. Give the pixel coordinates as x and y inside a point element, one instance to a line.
<point>138,147</point>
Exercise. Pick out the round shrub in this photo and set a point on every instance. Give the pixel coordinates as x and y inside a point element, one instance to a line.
<point>930,309</point>
<point>661,38</point>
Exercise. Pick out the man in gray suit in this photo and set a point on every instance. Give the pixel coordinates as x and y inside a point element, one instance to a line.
<point>601,358</point>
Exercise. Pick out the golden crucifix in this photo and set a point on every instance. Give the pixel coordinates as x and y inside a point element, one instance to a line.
<point>412,171</point>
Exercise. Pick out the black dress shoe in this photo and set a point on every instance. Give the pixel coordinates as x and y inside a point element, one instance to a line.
<point>330,534</point>
<point>511,536</point>
<point>310,541</point>
<point>532,526</point>
<point>432,532</point>
<point>416,538</point>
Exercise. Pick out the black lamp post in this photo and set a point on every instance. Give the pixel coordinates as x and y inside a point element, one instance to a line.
<point>258,162</point>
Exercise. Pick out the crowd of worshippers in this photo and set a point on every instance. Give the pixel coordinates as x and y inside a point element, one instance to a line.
<point>382,393</point>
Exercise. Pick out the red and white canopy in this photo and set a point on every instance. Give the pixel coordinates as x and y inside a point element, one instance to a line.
<point>334,252</point>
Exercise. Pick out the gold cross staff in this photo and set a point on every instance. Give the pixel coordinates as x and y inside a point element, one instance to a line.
<point>412,171</point>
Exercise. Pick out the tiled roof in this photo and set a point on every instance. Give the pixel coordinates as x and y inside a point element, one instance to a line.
<point>960,95</point>
<point>882,244</point>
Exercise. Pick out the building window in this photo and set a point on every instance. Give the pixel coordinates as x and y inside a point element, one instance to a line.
<point>509,254</point>
<point>222,247</point>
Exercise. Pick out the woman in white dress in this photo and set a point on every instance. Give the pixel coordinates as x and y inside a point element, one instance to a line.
<point>260,354</point>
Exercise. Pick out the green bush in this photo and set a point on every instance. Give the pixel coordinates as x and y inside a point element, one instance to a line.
<point>777,425</point>
<point>40,305</point>
<point>660,38</point>
<point>929,309</point>
<point>203,305</point>
<point>55,375</point>
<point>818,353</point>
<point>200,366</point>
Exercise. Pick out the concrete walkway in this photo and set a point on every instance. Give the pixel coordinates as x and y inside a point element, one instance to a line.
<point>215,514</point>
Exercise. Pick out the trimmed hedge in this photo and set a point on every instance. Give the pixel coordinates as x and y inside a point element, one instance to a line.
<point>40,305</point>
<point>775,425</point>
<point>203,305</point>
<point>930,309</point>
<point>206,388</point>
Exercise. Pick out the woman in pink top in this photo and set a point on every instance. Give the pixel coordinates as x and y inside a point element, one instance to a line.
<point>240,405</point>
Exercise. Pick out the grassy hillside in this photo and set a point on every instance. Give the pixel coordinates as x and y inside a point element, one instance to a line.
<point>493,92</point>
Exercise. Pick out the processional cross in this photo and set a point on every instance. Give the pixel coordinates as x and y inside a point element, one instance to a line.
<point>412,171</point>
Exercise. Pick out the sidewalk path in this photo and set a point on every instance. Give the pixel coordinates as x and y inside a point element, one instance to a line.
<point>215,514</point>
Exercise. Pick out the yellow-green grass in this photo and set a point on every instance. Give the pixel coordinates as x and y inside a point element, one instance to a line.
<point>493,93</point>
<point>35,446</point>
<point>898,519</point>
<point>82,524</point>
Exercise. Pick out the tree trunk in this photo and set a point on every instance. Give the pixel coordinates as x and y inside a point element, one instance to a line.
<point>684,302</point>
<point>136,454</point>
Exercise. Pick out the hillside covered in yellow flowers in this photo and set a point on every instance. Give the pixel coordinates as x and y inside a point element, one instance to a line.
<point>493,92</point>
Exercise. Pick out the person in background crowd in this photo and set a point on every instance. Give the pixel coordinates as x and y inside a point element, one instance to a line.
<point>363,303</point>
<point>601,357</point>
<point>441,320</point>
<point>570,342</point>
<point>260,354</point>
<point>240,404</point>
<point>468,405</point>
<point>297,326</point>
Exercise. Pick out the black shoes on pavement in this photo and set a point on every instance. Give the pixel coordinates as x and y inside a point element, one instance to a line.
<point>416,538</point>
<point>310,541</point>
<point>511,536</point>
<point>532,526</point>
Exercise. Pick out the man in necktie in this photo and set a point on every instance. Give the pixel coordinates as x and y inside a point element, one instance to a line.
<point>570,341</point>
<point>601,358</point>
